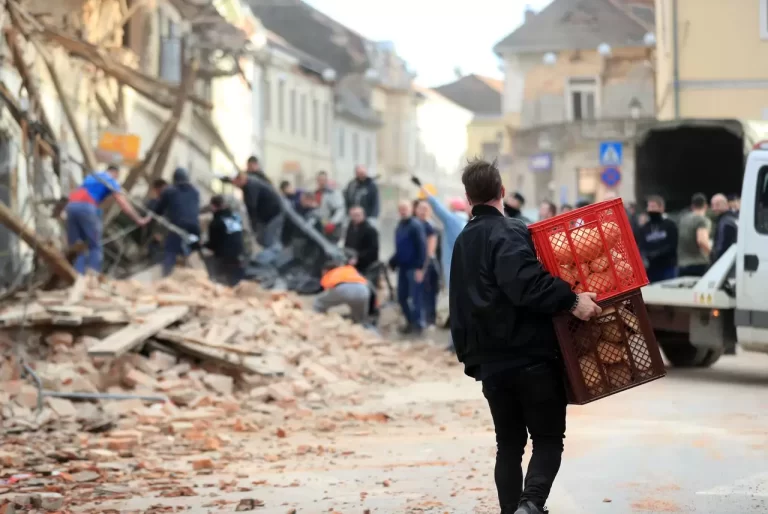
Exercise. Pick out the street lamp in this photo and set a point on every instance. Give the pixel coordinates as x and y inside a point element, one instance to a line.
<point>649,39</point>
<point>604,49</point>
<point>549,58</point>
<point>329,75</point>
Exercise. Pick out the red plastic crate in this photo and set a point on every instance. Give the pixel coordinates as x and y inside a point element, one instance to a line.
<point>592,248</point>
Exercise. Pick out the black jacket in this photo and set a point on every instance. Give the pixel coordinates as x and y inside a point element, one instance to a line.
<point>658,243</point>
<point>501,298</point>
<point>261,200</point>
<point>225,235</point>
<point>726,234</point>
<point>364,193</point>
<point>180,204</point>
<point>364,240</point>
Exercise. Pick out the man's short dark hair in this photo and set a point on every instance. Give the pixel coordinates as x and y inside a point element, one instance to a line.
<point>113,167</point>
<point>218,201</point>
<point>159,183</point>
<point>321,173</point>
<point>699,201</point>
<point>566,206</point>
<point>253,160</point>
<point>284,184</point>
<point>520,198</point>
<point>655,199</point>
<point>582,203</point>
<point>734,197</point>
<point>482,181</point>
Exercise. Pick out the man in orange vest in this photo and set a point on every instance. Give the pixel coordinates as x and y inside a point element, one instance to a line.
<point>344,285</point>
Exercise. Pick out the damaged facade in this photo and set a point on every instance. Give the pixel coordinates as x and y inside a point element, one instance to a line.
<point>577,74</point>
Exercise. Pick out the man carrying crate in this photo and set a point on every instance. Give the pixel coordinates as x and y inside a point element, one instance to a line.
<point>501,307</point>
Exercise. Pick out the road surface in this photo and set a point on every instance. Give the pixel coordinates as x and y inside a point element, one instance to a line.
<point>694,442</point>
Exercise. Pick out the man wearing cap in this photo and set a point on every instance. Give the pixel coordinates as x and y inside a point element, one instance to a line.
<point>180,204</point>
<point>253,167</point>
<point>84,219</point>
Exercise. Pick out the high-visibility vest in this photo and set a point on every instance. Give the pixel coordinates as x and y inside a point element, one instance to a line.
<point>342,275</point>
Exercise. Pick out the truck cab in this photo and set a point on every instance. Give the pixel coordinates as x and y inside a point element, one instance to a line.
<point>697,320</point>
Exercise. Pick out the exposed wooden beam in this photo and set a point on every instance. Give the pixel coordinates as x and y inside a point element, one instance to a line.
<point>58,262</point>
<point>132,11</point>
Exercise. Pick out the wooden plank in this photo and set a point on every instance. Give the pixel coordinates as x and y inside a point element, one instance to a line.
<point>136,333</point>
<point>267,365</point>
<point>59,265</point>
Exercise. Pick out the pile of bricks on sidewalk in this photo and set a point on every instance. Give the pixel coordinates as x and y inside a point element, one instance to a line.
<point>208,361</point>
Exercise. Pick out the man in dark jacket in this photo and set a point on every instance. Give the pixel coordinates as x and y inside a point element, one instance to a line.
<point>225,240</point>
<point>362,191</point>
<point>363,239</point>
<point>410,256</point>
<point>265,210</point>
<point>253,167</point>
<point>513,207</point>
<point>726,227</point>
<point>658,242</point>
<point>501,307</point>
<point>180,204</point>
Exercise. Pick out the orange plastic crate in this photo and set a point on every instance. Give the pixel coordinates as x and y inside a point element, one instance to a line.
<point>592,248</point>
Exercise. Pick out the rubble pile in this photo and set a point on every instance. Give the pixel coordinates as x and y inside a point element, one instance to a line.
<point>189,365</point>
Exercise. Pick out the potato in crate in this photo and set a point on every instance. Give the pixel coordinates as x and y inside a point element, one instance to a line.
<point>610,353</point>
<point>592,248</point>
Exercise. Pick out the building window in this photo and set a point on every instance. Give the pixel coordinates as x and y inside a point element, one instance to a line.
<point>303,115</point>
<point>355,147</point>
<point>266,99</point>
<point>490,151</point>
<point>326,123</point>
<point>170,49</point>
<point>292,111</point>
<point>582,99</point>
<point>281,105</point>
<point>764,19</point>
<point>368,152</point>
<point>342,136</point>
<point>315,121</point>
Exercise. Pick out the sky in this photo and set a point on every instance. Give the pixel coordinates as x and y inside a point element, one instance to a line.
<point>435,36</point>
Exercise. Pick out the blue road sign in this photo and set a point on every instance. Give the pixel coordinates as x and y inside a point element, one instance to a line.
<point>611,153</point>
<point>611,176</point>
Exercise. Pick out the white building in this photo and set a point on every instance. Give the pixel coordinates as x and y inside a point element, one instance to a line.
<point>355,133</point>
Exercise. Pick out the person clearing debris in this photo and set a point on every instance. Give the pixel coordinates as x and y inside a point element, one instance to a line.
<point>180,204</point>
<point>344,285</point>
<point>225,240</point>
<point>84,221</point>
<point>501,307</point>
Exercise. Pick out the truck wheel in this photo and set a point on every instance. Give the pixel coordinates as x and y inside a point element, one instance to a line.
<point>712,357</point>
<point>680,352</point>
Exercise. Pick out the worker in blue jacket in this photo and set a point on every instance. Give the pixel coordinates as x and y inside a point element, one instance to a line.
<point>180,204</point>
<point>410,256</point>
<point>84,221</point>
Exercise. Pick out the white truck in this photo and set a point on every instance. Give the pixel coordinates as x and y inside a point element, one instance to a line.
<point>697,320</point>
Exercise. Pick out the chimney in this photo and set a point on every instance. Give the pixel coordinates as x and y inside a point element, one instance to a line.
<point>529,13</point>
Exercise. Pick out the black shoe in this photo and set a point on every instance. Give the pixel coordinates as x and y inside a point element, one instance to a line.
<point>528,507</point>
<point>406,329</point>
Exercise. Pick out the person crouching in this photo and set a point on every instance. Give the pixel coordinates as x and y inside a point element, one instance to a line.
<point>225,240</point>
<point>344,285</point>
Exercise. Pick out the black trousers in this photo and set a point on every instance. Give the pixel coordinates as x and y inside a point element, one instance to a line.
<point>522,401</point>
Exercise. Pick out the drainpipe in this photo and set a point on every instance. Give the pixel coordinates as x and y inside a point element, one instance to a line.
<point>675,60</point>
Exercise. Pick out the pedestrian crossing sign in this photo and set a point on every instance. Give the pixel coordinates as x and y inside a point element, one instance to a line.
<point>611,153</point>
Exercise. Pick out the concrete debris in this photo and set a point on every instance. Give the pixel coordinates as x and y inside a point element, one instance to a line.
<point>229,363</point>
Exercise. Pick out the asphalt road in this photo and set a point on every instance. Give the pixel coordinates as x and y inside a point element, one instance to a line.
<point>693,442</point>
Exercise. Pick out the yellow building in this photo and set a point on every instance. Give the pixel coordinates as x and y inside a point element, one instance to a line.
<point>712,59</point>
